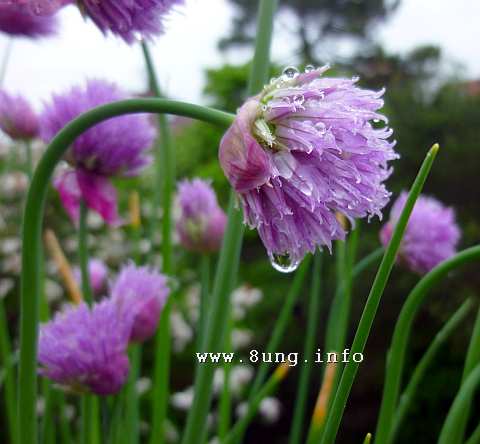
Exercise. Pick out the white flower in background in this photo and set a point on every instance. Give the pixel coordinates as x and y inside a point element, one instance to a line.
<point>244,298</point>
<point>13,184</point>
<point>182,400</point>
<point>5,286</point>
<point>241,338</point>
<point>240,376</point>
<point>53,290</point>
<point>192,301</point>
<point>143,385</point>
<point>269,409</point>
<point>9,245</point>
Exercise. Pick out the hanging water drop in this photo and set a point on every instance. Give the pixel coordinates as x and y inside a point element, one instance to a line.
<point>376,120</point>
<point>283,263</point>
<point>309,68</point>
<point>355,79</point>
<point>290,72</point>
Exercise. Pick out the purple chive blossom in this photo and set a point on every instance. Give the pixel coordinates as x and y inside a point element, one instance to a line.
<point>129,19</point>
<point>18,20</point>
<point>84,349</point>
<point>141,292</point>
<point>17,118</point>
<point>302,150</point>
<point>98,273</point>
<point>201,222</point>
<point>117,147</point>
<point>431,236</point>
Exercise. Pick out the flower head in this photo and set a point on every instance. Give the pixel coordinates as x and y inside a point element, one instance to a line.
<point>201,222</point>
<point>141,292</point>
<point>116,147</point>
<point>18,20</point>
<point>84,348</point>
<point>129,19</point>
<point>302,150</point>
<point>17,118</point>
<point>431,236</point>
<point>98,273</point>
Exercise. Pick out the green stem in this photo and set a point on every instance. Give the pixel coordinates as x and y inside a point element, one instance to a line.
<point>165,180</point>
<point>204,302</point>
<point>83,254</point>
<point>309,350</point>
<point>373,301</point>
<point>401,335</point>
<point>132,407</point>
<point>281,323</point>
<point>266,390</point>
<point>461,402</point>
<point>474,437</point>
<point>225,406</point>
<point>29,159</point>
<point>9,373</point>
<point>440,338</point>
<point>472,359</point>
<point>231,246</point>
<point>32,229</point>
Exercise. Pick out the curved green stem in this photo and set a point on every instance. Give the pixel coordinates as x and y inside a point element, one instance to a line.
<point>401,335</point>
<point>461,402</point>
<point>373,301</point>
<point>309,350</point>
<point>440,338</point>
<point>31,235</point>
<point>231,246</point>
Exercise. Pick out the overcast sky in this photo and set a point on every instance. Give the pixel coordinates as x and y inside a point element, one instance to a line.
<point>80,50</point>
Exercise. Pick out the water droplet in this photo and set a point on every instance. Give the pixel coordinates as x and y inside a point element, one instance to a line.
<point>290,72</point>
<point>376,120</point>
<point>355,79</point>
<point>264,108</point>
<point>309,68</point>
<point>283,263</point>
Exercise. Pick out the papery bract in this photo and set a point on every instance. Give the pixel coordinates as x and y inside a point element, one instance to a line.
<point>85,349</point>
<point>302,150</point>
<point>431,236</point>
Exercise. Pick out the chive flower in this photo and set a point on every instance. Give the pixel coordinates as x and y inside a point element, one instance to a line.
<point>117,147</point>
<point>130,20</point>
<point>17,19</point>
<point>17,118</point>
<point>85,349</point>
<point>200,221</point>
<point>302,150</point>
<point>142,293</point>
<point>431,236</point>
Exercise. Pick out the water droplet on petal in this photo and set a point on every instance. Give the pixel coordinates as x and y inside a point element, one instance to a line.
<point>309,68</point>
<point>283,263</point>
<point>290,72</point>
<point>376,120</point>
<point>355,79</point>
